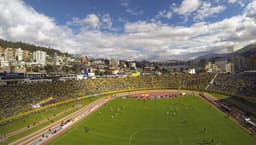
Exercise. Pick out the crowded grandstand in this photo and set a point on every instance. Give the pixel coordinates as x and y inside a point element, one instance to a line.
<point>18,98</point>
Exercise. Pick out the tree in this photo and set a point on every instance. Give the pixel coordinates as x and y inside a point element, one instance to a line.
<point>75,68</point>
<point>50,68</point>
<point>66,69</point>
<point>97,72</point>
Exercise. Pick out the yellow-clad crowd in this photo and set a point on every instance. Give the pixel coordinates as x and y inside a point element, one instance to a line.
<point>19,98</point>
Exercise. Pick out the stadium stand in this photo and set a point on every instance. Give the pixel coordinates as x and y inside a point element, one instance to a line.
<point>20,97</point>
<point>243,84</point>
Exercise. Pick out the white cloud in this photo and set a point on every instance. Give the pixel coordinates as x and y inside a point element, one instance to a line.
<point>165,14</point>
<point>250,10</point>
<point>20,22</point>
<point>187,7</point>
<point>240,2</point>
<point>133,12</point>
<point>207,10</point>
<point>124,3</point>
<point>140,27</point>
<point>198,9</point>
<point>232,1</point>
<point>140,40</point>
<point>106,22</point>
<point>91,21</point>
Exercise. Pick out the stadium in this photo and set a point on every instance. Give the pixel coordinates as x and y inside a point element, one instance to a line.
<point>127,72</point>
<point>167,109</point>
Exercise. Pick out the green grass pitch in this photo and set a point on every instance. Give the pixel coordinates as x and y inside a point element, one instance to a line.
<point>179,121</point>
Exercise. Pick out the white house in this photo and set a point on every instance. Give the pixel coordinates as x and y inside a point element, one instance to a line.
<point>19,54</point>
<point>39,57</point>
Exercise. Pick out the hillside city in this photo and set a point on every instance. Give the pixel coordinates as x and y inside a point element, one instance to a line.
<point>38,64</point>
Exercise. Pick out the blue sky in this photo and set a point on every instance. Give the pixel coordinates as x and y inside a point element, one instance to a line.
<point>136,10</point>
<point>131,29</point>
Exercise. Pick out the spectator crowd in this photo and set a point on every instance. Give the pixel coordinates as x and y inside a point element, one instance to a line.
<point>19,98</point>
